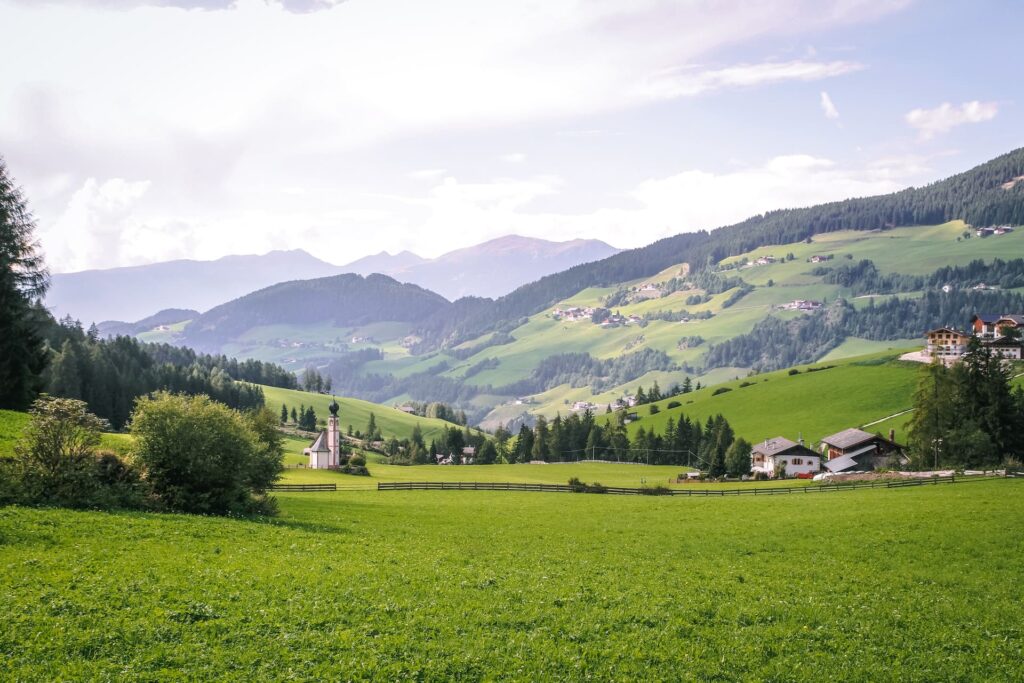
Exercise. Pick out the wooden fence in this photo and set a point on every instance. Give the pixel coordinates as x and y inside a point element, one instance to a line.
<point>664,491</point>
<point>304,487</point>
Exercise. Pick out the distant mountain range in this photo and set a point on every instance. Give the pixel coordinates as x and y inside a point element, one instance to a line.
<point>139,291</point>
<point>490,269</point>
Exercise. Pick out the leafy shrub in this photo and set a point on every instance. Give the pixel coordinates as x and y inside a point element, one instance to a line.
<point>357,470</point>
<point>653,409</point>
<point>56,462</point>
<point>793,371</point>
<point>720,390</point>
<point>673,404</point>
<point>655,490</point>
<point>746,384</point>
<point>820,367</point>
<point>357,460</point>
<point>200,456</point>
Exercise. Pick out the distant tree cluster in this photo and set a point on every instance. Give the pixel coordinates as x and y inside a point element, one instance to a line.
<point>582,369</point>
<point>683,442</point>
<point>967,415</point>
<point>109,374</point>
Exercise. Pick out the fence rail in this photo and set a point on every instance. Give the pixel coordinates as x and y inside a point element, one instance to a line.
<point>614,490</point>
<point>304,487</point>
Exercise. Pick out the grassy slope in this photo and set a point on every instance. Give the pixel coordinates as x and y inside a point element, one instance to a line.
<point>11,424</point>
<point>485,585</point>
<point>355,412</point>
<point>852,393</point>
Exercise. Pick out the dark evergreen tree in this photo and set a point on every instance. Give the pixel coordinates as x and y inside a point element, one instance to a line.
<point>23,281</point>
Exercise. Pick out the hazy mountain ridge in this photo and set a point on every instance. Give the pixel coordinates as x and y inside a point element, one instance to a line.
<point>131,293</point>
<point>135,292</point>
<point>490,269</point>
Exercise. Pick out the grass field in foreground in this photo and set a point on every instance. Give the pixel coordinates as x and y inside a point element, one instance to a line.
<point>912,584</point>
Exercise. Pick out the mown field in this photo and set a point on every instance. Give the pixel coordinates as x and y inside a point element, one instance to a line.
<point>912,584</point>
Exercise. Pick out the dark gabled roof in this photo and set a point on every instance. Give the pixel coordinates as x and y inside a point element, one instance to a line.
<point>320,444</point>
<point>848,438</point>
<point>947,329</point>
<point>1002,342</point>
<point>985,317</point>
<point>1016,319</point>
<point>781,446</point>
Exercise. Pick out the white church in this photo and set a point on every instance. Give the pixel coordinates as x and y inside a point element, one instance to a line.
<point>325,452</point>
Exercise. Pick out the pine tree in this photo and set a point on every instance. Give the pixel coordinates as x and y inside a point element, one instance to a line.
<point>23,282</point>
<point>284,413</point>
<point>295,417</point>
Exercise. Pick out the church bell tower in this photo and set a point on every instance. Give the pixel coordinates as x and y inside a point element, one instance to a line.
<point>333,436</point>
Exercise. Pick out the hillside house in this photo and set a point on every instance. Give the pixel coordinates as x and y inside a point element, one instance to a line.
<point>764,260</point>
<point>802,305</point>
<point>1002,230</point>
<point>946,344</point>
<point>781,453</point>
<point>821,258</point>
<point>1004,347</point>
<point>984,232</point>
<point>854,449</point>
<point>984,325</point>
<point>581,406</point>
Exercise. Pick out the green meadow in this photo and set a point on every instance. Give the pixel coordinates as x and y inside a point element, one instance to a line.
<point>906,584</point>
<point>355,412</point>
<point>817,403</point>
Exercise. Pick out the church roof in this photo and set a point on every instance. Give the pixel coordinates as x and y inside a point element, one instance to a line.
<point>320,444</point>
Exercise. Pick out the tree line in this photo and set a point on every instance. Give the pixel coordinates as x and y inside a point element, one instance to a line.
<point>967,415</point>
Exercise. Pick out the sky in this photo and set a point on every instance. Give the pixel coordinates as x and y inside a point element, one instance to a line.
<point>149,130</point>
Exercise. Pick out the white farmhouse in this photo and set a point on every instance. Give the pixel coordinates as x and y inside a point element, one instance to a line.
<point>780,452</point>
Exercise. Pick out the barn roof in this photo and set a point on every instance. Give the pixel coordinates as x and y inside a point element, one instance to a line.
<point>848,438</point>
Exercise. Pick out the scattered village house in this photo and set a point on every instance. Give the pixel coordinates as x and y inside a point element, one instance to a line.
<point>857,450</point>
<point>773,455</point>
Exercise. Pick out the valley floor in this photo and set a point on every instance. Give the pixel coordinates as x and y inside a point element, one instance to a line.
<point>912,584</point>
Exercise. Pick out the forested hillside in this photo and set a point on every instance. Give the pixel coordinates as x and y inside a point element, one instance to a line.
<point>341,300</point>
<point>109,374</point>
<point>976,196</point>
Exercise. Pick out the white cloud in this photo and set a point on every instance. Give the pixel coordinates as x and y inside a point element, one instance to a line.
<point>689,81</point>
<point>427,173</point>
<point>92,230</point>
<point>945,117</point>
<point>686,201</point>
<point>513,157</point>
<point>828,106</point>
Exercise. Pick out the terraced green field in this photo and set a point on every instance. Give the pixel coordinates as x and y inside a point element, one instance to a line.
<point>524,586</point>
